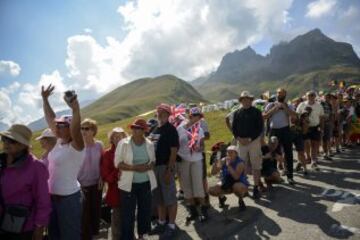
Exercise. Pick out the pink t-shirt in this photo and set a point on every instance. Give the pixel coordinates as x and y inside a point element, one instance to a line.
<point>89,173</point>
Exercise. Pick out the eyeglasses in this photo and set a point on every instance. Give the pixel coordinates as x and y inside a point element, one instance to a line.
<point>85,128</point>
<point>8,140</point>
<point>62,125</point>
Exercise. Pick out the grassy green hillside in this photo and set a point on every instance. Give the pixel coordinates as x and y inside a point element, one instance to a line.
<point>140,96</point>
<point>295,84</point>
<point>215,120</point>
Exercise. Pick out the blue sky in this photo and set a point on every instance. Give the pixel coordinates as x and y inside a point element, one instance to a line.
<point>94,46</point>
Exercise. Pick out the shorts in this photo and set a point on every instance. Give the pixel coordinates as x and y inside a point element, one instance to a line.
<point>313,134</point>
<point>251,154</point>
<point>191,173</point>
<point>164,194</point>
<point>328,132</point>
<point>204,166</point>
<point>299,142</point>
<point>227,184</point>
<point>268,167</point>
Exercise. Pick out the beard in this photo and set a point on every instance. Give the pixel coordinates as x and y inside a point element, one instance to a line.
<point>281,99</point>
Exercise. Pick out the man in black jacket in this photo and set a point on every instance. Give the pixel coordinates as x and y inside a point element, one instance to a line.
<point>247,127</point>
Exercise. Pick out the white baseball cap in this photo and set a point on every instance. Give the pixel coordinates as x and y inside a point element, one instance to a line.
<point>233,148</point>
<point>47,133</point>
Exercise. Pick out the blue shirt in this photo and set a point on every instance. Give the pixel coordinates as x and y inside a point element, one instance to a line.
<point>140,156</point>
<point>226,174</point>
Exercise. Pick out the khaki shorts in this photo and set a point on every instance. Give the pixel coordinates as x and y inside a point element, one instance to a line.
<point>191,177</point>
<point>251,154</point>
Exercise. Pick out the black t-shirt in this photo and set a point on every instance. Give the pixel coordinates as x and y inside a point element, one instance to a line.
<point>247,123</point>
<point>269,163</point>
<point>164,138</point>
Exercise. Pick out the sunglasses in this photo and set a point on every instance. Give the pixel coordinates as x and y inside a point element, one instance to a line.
<point>8,140</point>
<point>85,128</point>
<point>62,125</point>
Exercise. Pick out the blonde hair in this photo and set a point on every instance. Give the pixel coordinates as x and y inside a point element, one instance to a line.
<point>91,123</point>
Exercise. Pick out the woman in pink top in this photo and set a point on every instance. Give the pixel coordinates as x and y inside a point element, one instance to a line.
<point>23,186</point>
<point>90,180</point>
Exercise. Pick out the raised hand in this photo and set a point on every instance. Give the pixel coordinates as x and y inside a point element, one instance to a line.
<point>45,93</point>
<point>73,103</point>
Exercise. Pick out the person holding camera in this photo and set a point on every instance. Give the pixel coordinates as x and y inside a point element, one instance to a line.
<point>65,160</point>
<point>279,114</point>
<point>24,195</point>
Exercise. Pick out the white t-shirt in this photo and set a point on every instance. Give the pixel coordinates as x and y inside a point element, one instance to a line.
<point>64,166</point>
<point>316,113</point>
<point>184,150</point>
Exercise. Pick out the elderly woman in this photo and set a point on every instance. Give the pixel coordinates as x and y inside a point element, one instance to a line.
<point>191,139</point>
<point>65,160</point>
<point>110,175</point>
<point>135,157</point>
<point>90,180</point>
<point>23,188</point>
<point>233,177</point>
<point>47,141</point>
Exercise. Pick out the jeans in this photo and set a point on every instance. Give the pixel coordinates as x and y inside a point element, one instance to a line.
<point>140,197</point>
<point>91,207</point>
<point>17,236</point>
<point>65,218</point>
<point>285,140</point>
<point>116,223</point>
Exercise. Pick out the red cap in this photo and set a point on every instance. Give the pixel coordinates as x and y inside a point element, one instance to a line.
<point>140,123</point>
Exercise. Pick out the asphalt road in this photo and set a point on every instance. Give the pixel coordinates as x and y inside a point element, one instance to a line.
<point>323,205</point>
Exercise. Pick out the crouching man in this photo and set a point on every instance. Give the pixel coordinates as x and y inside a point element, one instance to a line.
<point>232,175</point>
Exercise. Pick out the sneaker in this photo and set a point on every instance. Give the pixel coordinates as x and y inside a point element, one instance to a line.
<point>180,195</point>
<point>158,229</point>
<point>242,206</point>
<point>298,167</point>
<point>256,193</point>
<point>204,214</point>
<point>222,201</point>
<point>291,181</point>
<point>169,234</point>
<point>315,167</point>
<point>193,214</point>
<point>305,173</point>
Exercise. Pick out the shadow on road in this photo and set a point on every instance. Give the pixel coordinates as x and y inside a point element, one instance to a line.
<point>303,208</point>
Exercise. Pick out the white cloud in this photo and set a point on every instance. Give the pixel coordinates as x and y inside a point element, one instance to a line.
<point>9,67</point>
<point>187,38</point>
<point>93,67</point>
<point>320,8</point>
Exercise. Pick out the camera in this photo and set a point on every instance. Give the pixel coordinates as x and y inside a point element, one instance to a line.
<point>69,96</point>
